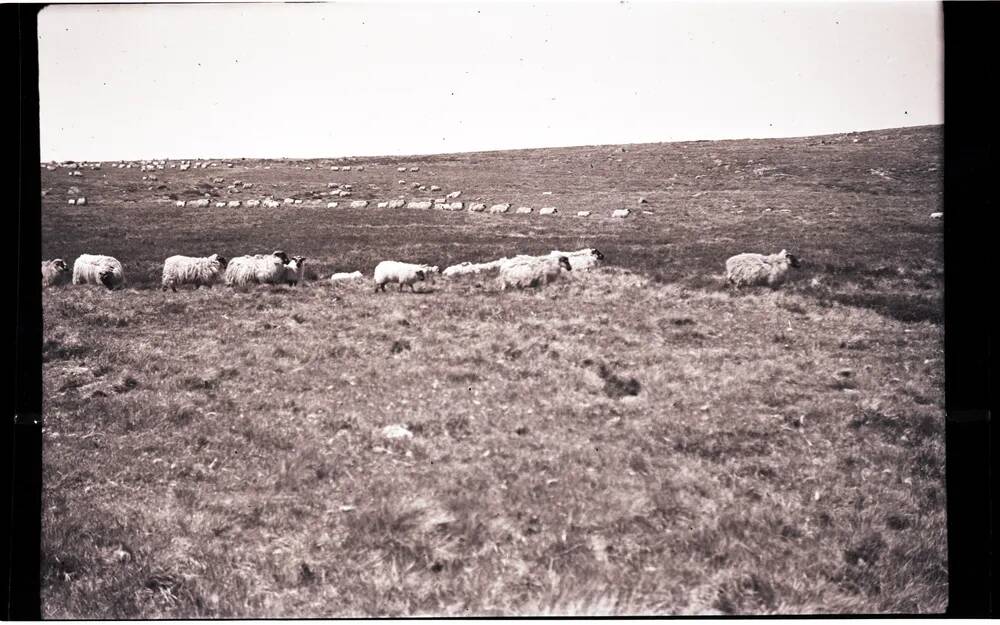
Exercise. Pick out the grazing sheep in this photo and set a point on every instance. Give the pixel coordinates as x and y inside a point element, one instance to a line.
<point>621,212</point>
<point>344,277</point>
<point>532,273</point>
<point>500,208</point>
<point>54,272</point>
<point>397,203</point>
<point>257,269</point>
<point>548,210</point>
<point>382,205</point>
<point>477,207</point>
<point>295,270</point>
<point>233,204</point>
<point>81,201</point>
<point>98,269</point>
<point>581,259</point>
<point>359,204</point>
<point>253,203</point>
<point>758,269</point>
<point>180,203</point>
<point>400,169</point>
<point>423,205</point>
<point>220,204</point>
<point>523,210</point>
<point>468,268</point>
<point>401,273</point>
<point>199,271</point>
<point>268,203</point>
<point>583,213</point>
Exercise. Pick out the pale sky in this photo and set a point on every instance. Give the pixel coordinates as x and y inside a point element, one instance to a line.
<point>367,79</point>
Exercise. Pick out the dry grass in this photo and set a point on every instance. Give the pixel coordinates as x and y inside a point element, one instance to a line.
<point>632,441</point>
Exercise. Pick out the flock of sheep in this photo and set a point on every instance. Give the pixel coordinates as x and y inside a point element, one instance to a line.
<point>519,272</point>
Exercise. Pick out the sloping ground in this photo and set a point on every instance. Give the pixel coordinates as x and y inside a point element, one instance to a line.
<point>622,442</point>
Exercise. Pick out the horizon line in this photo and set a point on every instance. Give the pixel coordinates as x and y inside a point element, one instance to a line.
<point>486,151</point>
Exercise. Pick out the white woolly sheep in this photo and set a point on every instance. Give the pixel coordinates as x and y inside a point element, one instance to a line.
<point>583,213</point>
<point>523,210</point>
<point>257,269</point>
<point>477,207</point>
<point>581,259</point>
<point>98,269</point>
<point>199,271</point>
<point>532,273</point>
<point>401,273</point>
<point>500,208</point>
<point>295,270</point>
<point>621,212</point>
<point>758,269</point>
<point>54,272</point>
<point>548,210</point>
<point>468,268</point>
<point>344,277</point>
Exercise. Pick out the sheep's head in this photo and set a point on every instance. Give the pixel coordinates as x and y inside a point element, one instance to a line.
<point>597,254</point>
<point>793,260</point>
<point>564,263</point>
<point>222,260</point>
<point>421,275</point>
<point>60,264</point>
<point>282,255</point>
<point>107,278</point>
<point>299,260</point>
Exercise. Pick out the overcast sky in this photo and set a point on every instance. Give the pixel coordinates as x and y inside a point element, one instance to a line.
<point>342,79</point>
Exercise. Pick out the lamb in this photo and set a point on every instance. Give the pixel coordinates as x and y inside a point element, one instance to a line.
<point>54,272</point>
<point>257,269</point>
<point>581,259</point>
<point>401,273</point>
<point>98,269</point>
<point>199,271</point>
<point>758,269</point>
<point>294,270</point>
<point>344,277</point>
<point>532,273</point>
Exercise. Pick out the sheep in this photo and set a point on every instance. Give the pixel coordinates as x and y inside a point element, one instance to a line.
<point>344,277</point>
<point>467,268</point>
<point>532,273</point>
<point>581,259</point>
<point>180,203</point>
<point>758,269</point>
<point>401,273</point>
<point>98,269</point>
<point>477,207</point>
<point>548,210</point>
<point>199,271</point>
<point>500,208</point>
<point>583,213</point>
<point>621,212</point>
<point>54,272</point>
<point>523,210</point>
<point>359,204</point>
<point>294,270</point>
<point>257,269</point>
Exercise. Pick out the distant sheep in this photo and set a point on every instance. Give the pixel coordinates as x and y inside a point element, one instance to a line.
<point>359,204</point>
<point>758,269</point>
<point>295,270</point>
<point>98,269</point>
<point>81,201</point>
<point>402,273</point>
<point>382,205</point>
<point>477,207</point>
<point>532,273</point>
<point>397,203</point>
<point>548,210</point>
<point>180,203</point>
<point>233,204</point>
<point>199,271</point>
<point>54,272</point>
<point>621,212</point>
<point>253,203</point>
<point>523,210</point>
<point>420,205</point>
<point>257,269</point>
<point>454,194</point>
<point>220,204</point>
<point>500,208</point>
<point>583,213</point>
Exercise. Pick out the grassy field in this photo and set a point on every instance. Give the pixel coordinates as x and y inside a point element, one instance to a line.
<point>633,440</point>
